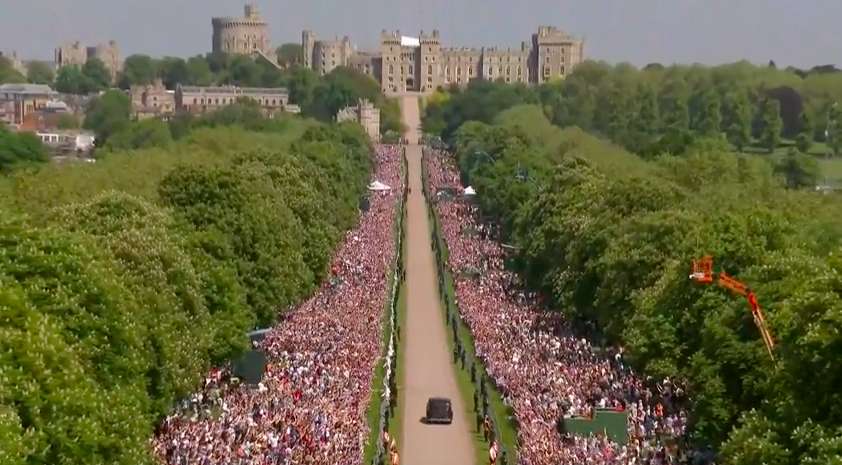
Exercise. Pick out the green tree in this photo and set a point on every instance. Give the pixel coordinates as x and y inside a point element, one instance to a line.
<point>138,70</point>
<point>38,72</point>
<point>18,148</point>
<point>804,141</point>
<point>289,54</point>
<point>97,74</point>
<point>834,129</point>
<point>8,73</point>
<point>198,72</point>
<point>108,114</point>
<point>709,118</point>
<point>772,125</point>
<point>173,71</point>
<point>70,80</point>
<point>244,71</point>
<point>799,169</point>
<point>674,104</point>
<point>648,116</point>
<point>141,134</point>
<point>738,119</point>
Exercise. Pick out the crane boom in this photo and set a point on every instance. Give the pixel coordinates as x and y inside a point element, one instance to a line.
<point>703,274</point>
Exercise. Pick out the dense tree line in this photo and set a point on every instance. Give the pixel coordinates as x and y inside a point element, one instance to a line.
<point>608,237</point>
<point>122,281</point>
<point>661,109</point>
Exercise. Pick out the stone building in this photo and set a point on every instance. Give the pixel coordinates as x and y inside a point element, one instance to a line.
<point>197,100</point>
<point>152,101</point>
<point>71,54</point>
<point>75,54</point>
<point>242,36</point>
<point>364,113</point>
<point>109,54</point>
<point>323,56</point>
<point>554,54</point>
<point>423,64</point>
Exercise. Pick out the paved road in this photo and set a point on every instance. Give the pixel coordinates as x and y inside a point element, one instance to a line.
<point>429,372</point>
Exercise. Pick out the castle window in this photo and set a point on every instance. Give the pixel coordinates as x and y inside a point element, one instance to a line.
<point>562,70</point>
<point>429,69</point>
<point>470,70</point>
<point>410,69</point>
<point>459,70</point>
<point>508,70</point>
<point>194,100</point>
<point>519,71</point>
<point>274,102</point>
<point>490,71</point>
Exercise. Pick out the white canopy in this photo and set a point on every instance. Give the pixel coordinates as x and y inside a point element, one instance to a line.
<point>470,191</point>
<point>378,186</point>
<point>410,41</point>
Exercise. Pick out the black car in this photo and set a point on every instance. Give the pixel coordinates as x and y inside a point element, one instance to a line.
<point>439,411</point>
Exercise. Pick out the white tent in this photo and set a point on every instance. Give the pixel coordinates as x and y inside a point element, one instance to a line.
<point>378,186</point>
<point>470,191</point>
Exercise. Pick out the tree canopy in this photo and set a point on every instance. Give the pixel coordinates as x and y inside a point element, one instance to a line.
<point>122,281</point>
<point>608,238</point>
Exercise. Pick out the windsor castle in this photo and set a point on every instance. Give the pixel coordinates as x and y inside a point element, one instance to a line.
<point>414,64</point>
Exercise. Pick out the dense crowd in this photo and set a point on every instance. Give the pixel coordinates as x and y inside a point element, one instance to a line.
<point>543,370</point>
<point>310,407</point>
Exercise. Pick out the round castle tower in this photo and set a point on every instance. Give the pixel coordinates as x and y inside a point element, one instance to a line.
<point>242,36</point>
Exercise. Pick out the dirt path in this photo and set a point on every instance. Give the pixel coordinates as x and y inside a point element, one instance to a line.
<point>429,370</point>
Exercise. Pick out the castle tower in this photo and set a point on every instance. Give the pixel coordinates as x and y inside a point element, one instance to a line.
<point>242,36</point>
<point>430,62</point>
<point>308,44</point>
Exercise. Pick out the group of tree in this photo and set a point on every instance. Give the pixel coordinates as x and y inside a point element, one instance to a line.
<point>122,281</point>
<point>661,109</point>
<point>608,238</point>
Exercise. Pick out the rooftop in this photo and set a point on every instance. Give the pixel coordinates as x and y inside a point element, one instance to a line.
<point>26,89</point>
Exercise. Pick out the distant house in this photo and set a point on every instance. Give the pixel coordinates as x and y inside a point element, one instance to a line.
<point>20,100</point>
<point>198,100</point>
<point>63,142</point>
<point>152,101</point>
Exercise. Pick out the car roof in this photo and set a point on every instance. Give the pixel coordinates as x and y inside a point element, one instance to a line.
<point>438,399</point>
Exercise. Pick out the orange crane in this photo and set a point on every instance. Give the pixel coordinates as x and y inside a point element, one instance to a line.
<point>703,274</point>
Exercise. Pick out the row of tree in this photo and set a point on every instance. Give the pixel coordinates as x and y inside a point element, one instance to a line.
<point>663,109</point>
<point>609,237</point>
<point>121,282</point>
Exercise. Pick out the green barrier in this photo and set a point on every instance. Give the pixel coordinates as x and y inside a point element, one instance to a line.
<point>608,422</point>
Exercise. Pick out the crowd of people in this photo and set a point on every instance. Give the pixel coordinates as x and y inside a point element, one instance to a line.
<point>544,371</point>
<point>310,407</point>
